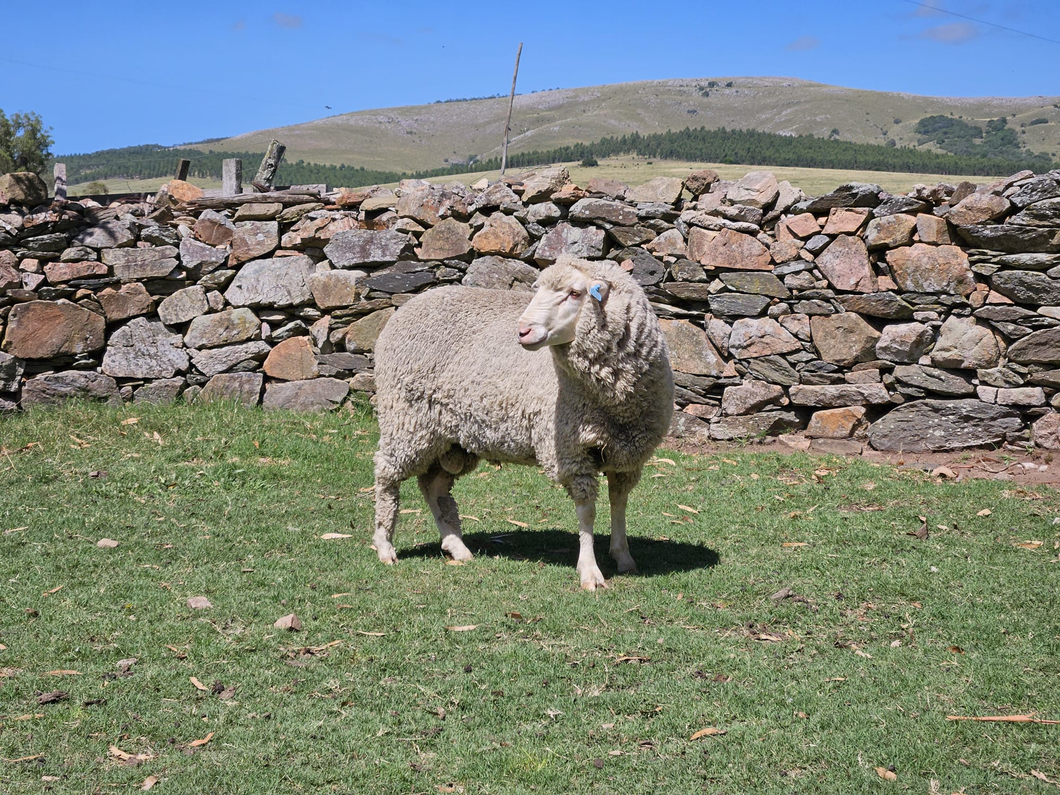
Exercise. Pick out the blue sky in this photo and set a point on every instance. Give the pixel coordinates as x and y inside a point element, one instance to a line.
<point>112,74</point>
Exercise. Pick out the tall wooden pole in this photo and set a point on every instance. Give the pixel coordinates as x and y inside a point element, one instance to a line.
<point>511,101</point>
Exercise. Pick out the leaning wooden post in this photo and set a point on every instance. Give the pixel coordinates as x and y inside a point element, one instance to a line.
<point>267,171</point>
<point>183,166</point>
<point>508,122</point>
<point>231,177</point>
<point>60,181</point>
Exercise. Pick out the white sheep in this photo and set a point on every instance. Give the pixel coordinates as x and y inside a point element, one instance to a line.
<point>463,374</point>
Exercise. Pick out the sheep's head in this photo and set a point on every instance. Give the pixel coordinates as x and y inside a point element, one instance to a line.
<point>563,292</point>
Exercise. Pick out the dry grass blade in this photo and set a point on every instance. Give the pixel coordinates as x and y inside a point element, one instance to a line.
<point>1005,719</point>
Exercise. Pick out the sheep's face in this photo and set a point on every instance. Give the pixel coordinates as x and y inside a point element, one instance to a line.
<point>552,316</point>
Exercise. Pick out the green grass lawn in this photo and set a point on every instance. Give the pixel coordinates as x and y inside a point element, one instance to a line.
<point>501,675</point>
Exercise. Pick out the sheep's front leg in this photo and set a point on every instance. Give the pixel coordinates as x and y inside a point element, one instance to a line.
<point>436,487</point>
<point>619,485</point>
<point>583,491</point>
<point>387,485</point>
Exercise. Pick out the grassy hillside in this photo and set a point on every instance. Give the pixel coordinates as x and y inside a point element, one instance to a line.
<point>433,136</point>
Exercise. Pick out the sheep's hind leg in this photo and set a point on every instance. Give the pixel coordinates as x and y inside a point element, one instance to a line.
<point>436,486</point>
<point>387,486</point>
<point>619,485</point>
<point>583,491</point>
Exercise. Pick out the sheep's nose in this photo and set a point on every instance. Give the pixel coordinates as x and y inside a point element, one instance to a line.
<point>524,331</point>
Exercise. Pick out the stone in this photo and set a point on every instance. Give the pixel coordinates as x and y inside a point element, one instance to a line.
<point>924,425</point>
<point>160,391</point>
<point>253,239</point>
<point>728,249</point>
<point>23,187</point>
<point>1027,287</point>
<point>46,329</point>
<point>129,301</point>
<point>838,395</point>
<point>755,189</point>
<point>262,211</point>
<point>398,282</point>
<point>921,268</point>
<point>774,369</point>
<point>60,272</point>
<point>200,257</point>
<point>670,243</point>
<point>242,388</point>
<point>539,186</point>
<point>448,239</point>
<point>183,305</point>
<point>1011,238</point>
<point>1026,396</point>
<point>276,282</point>
<point>934,230</point>
<point>853,194</point>
<point>630,235</point>
<point>212,361</point>
<point>844,339</point>
<point>111,233</point>
<point>840,423</point>
<point>181,190</point>
<point>697,182</point>
<point>130,264</point>
<point>144,349</point>
<point>499,195</point>
<point>904,343</point>
<point>737,304</point>
<point>424,202</point>
<point>318,394</point>
<point>11,369</point>
<point>1046,431</point>
<point>756,283</point>
<point>750,397</point>
<point>1040,347</point>
<point>1044,213</point>
<point>10,278</point>
<point>885,305</point>
<point>754,337</point>
<point>362,335</point>
<point>934,380</point>
<point>612,212</point>
<point>214,229</point>
<point>964,344</point>
<point>645,269</point>
<point>686,426</point>
<point>379,199</point>
<point>544,213</point>
<point>803,226</point>
<point>978,209</point>
<point>334,289</point>
<point>223,328</point>
<point>502,235</point>
<point>52,388</point>
<point>845,220</point>
<point>575,241</point>
<point>845,263</point>
<point>661,190</point>
<point>1035,190</point>
<point>498,273</point>
<point>690,349</point>
<point>362,247</point>
<point>292,360</point>
<point>766,423</point>
<point>784,251</point>
<point>890,231</point>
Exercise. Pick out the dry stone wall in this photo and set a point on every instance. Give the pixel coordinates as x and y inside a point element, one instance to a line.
<point>924,321</point>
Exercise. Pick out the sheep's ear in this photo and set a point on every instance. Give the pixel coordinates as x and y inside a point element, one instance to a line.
<point>599,290</point>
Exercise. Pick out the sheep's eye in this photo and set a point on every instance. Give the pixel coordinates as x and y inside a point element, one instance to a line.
<point>575,294</point>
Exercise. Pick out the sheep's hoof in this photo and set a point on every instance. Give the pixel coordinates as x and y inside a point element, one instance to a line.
<point>592,579</point>
<point>456,548</point>
<point>387,556</point>
<point>626,564</point>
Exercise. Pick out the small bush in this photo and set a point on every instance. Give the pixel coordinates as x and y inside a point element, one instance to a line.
<point>589,161</point>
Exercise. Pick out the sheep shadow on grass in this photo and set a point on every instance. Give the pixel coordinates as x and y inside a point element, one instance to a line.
<point>560,548</point>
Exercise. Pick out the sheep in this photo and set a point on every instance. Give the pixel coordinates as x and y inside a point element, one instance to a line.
<point>578,382</point>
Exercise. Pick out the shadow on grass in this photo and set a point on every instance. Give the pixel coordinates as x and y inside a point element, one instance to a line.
<point>560,548</point>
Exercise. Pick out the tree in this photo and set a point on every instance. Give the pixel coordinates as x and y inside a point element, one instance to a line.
<point>25,143</point>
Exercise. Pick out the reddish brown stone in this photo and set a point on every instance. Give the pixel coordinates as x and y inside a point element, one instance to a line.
<point>44,329</point>
<point>841,423</point>
<point>803,226</point>
<point>292,360</point>
<point>921,268</point>
<point>130,301</point>
<point>182,191</point>
<point>845,263</point>
<point>844,339</point>
<point>253,239</point>
<point>59,272</point>
<point>979,208</point>
<point>932,229</point>
<point>502,235</point>
<point>890,231</point>
<point>729,250</point>
<point>845,220</point>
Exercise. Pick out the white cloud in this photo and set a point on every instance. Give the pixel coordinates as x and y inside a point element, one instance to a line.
<point>804,43</point>
<point>287,21</point>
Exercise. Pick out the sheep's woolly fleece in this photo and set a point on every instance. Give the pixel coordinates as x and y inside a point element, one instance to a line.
<point>454,386</point>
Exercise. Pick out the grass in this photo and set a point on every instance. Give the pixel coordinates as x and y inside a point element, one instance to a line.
<point>636,171</point>
<point>500,675</point>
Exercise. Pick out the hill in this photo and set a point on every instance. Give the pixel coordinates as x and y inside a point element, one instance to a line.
<point>434,136</point>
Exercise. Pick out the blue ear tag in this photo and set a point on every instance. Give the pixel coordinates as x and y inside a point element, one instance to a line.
<point>594,291</point>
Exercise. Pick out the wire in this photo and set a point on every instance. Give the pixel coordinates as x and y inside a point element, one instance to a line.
<point>980,21</point>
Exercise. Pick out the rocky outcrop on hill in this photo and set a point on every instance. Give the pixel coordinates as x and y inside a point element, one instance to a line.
<point>925,321</point>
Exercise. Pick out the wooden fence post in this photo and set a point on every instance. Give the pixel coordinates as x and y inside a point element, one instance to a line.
<point>60,181</point>
<point>267,170</point>
<point>183,166</point>
<point>511,101</point>
<point>232,177</point>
